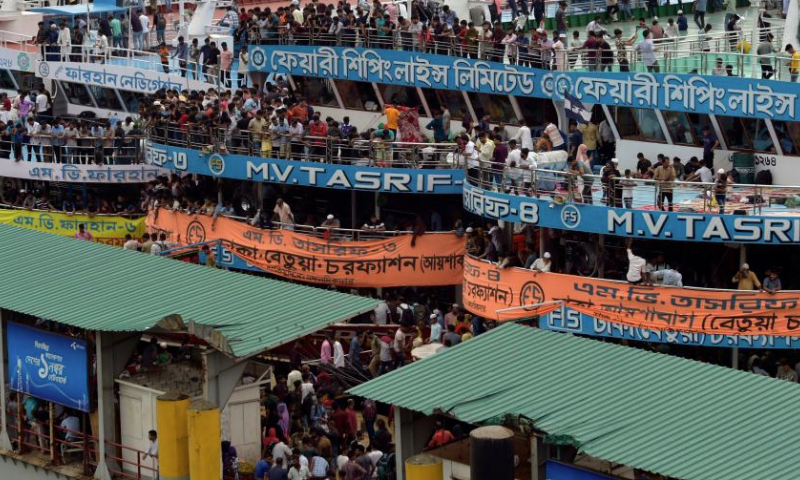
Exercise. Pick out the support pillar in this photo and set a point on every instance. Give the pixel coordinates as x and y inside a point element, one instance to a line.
<point>221,375</point>
<point>112,350</point>
<point>353,210</point>
<point>205,436</point>
<point>735,350</point>
<point>538,459</point>
<point>601,262</point>
<point>411,432</point>
<point>5,440</point>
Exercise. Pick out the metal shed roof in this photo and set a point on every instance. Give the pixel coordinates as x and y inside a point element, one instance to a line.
<point>656,412</point>
<point>99,287</point>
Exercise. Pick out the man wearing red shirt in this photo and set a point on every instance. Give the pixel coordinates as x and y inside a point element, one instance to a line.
<point>441,436</point>
<point>318,130</point>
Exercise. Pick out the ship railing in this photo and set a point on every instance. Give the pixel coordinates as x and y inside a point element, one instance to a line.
<point>558,186</point>
<point>372,152</point>
<point>336,233</point>
<point>40,149</point>
<point>685,54</point>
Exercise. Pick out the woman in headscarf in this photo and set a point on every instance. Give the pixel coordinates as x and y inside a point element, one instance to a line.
<point>283,419</point>
<point>271,439</point>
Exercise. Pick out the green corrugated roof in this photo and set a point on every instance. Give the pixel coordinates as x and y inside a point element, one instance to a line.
<point>656,412</point>
<point>99,287</point>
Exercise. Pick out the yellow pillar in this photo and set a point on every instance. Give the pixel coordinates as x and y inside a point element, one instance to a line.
<point>173,436</point>
<point>205,438</point>
<point>424,467</point>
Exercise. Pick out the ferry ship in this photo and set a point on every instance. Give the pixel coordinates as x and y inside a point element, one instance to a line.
<point>540,214</point>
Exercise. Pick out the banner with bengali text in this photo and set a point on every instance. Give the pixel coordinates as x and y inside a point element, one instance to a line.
<point>516,293</point>
<point>104,229</point>
<point>435,259</point>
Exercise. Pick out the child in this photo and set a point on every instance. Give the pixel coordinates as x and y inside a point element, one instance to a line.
<point>163,52</point>
<point>627,188</point>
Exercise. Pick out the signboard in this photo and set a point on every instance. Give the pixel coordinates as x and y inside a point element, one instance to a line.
<point>731,96</point>
<point>48,366</point>
<point>109,229</point>
<point>79,173</point>
<point>434,258</point>
<point>684,226</point>
<point>572,321</point>
<point>517,293</point>
<point>309,174</point>
<point>123,78</point>
<point>11,59</point>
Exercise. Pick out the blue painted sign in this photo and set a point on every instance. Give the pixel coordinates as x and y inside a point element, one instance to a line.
<point>573,321</point>
<point>697,227</point>
<point>48,366</point>
<point>732,96</point>
<point>310,174</point>
<point>562,471</point>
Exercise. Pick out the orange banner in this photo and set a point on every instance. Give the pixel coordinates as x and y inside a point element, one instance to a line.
<point>516,293</point>
<point>436,258</point>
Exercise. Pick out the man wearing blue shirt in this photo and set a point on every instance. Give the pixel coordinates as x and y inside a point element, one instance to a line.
<point>699,9</point>
<point>262,467</point>
<point>437,125</point>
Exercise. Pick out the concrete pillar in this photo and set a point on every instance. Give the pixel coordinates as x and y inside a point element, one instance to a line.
<point>172,411</point>
<point>411,431</point>
<point>205,437</point>
<point>5,441</point>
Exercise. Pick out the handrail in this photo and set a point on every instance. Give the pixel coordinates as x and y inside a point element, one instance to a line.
<point>6,206</point>
<point>354,151</point>
<point>338,233</point>
<point>642,193</point>
<point>672,57</point>
<point>39,149</point>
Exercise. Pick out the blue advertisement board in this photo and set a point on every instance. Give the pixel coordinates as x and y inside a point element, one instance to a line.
<point>654,224</point>
<point>48,366</point>
<point>309,174</point>
<point>731,96</point>
<point>568,320</point>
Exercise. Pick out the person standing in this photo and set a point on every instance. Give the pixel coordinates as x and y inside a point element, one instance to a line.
<point>338,353</point>
<point>699,10</point>
<point>225,63</point>
<point>746,279</point>
<point>116,31</point>
<point>325,355</point>
<point>794,62</point>
<point>182,54</point>
<point>145,22</point>
<point>664,175</point>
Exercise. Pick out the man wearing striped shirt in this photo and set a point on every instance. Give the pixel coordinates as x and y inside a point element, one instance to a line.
<point>319,468</point>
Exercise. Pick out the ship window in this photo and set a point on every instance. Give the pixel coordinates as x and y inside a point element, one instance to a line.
<point>6,81</point>
<point>739,132</point>
<point>498,107</point>
<point>638,124</point>
<point>317,91</point>
<point>400,95</point>
<point>538,112</point>
<point>453,99</point>
<point>358,95</point>
<point>77,94</point>
<point>105,97</point>
<point>680,128</point>
<point>788,134</point>
<point>131,100</point>
<point>27,80</point>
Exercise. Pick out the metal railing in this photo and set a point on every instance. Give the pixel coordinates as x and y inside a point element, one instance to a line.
<point>39,148</point>
<point>372,152</point>
<point>695,54</point>
<point>337,233</point>
<point>637,193</point>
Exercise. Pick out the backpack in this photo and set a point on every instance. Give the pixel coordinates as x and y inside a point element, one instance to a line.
<point>407,318</point>
<point>385,466</point>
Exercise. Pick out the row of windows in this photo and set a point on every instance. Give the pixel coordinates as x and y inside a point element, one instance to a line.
<point>101,97</point>
<point>683,128</point>
<point>364,96</point>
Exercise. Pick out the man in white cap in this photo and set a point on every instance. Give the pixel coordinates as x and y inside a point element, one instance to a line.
<point>683,23</point>
<point>543,264</point>
<point>721,189</point>
<point>436,329</point>
<point>559,51</point>
<point>746,279</point>
<point>331,222</point>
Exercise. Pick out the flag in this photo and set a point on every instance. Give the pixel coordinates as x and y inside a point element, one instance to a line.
<point>575,109</point>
